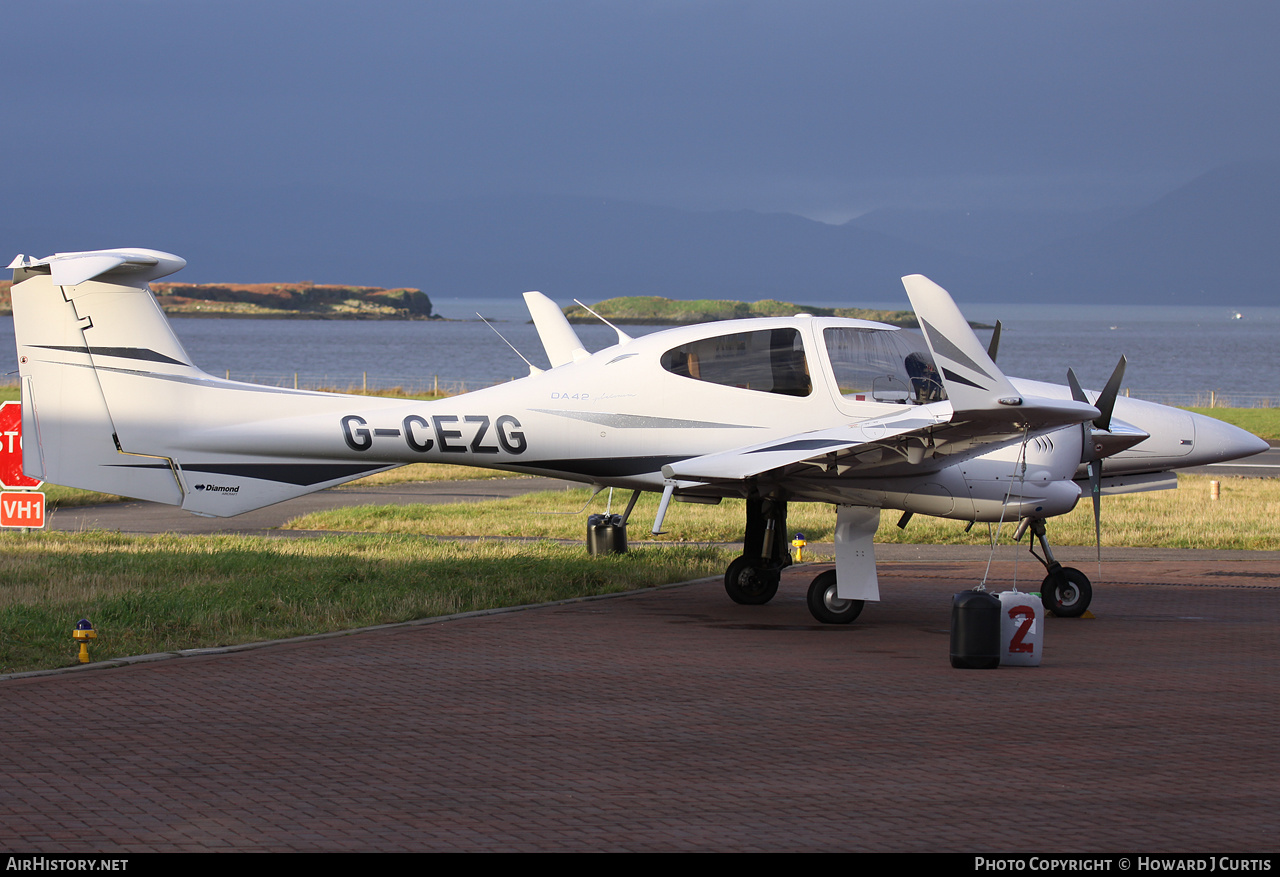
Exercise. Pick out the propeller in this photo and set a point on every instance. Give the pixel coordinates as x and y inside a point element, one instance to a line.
<point>1094,445</point>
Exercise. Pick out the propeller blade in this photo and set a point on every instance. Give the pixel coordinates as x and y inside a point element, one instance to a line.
<point>995,342</point>
<point>1107,398</point>
<point>1087,454</point>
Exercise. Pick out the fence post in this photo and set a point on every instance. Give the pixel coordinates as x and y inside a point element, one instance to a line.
<point>364,382</point>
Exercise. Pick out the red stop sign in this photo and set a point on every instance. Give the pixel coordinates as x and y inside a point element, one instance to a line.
<point>11,448</point>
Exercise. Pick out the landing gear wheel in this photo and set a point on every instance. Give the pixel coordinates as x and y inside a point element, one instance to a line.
<point>1066,592</point>
<point>825,606</point>
<point>748,582</point>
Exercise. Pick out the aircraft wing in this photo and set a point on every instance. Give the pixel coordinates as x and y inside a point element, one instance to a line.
<point>825,446</point>
<point>920,437</point>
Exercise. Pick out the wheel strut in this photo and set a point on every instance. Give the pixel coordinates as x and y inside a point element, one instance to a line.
<point>1065,591</point>
<point>753,577</point>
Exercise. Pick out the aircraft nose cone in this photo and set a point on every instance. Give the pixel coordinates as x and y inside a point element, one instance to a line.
<point>1216,442</point>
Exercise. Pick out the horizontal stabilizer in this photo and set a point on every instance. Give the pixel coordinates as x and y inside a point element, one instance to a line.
<point>135,267</point>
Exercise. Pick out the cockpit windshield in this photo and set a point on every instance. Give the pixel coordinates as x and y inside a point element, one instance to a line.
<point>883,365</point>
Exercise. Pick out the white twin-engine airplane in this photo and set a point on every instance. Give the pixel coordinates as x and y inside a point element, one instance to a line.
<point>798,409</point>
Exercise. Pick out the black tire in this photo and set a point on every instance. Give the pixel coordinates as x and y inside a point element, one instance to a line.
<point>825,606</point>
<point>1066,592</point>
<point>749,583</point>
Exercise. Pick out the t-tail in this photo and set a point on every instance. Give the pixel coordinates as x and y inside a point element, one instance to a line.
<point>112,402</point>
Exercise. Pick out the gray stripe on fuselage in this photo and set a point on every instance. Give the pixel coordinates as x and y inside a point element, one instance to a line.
<point>207,381</point>
<point>641,421</point>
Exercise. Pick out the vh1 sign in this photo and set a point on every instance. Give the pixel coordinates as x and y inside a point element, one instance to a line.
<point>11,475</point>
<point>25,509</point>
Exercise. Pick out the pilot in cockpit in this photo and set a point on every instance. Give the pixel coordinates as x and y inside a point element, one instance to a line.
<point>926,384</point>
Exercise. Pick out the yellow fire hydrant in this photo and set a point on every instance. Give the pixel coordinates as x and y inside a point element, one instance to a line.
<point>83,633</point>
<point>797,545</point>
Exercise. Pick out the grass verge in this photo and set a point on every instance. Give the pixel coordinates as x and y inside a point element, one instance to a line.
<point>163,593</point>
<point>58,497</point>
<point>430,472</point>
<point>1262,422</point>
<point>1246,517</point>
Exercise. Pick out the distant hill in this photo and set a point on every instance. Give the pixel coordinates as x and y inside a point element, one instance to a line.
<point>989,235</point>
<point>280,300</point>
<point>566,247</point>
<point>1213,240</point>
<point>652,310</point>
<point>292,300</point>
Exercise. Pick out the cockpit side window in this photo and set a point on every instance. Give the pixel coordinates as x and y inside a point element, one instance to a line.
<point>767,360</point>
<point>883,365</point>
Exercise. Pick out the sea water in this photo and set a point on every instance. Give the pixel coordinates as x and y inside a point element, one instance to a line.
<point>1177,355</point>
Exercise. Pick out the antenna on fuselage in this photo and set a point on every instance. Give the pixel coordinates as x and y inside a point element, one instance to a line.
<point>623,337</point>
<point>533,369</point>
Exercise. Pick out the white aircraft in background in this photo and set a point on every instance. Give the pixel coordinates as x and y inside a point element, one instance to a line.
<point>797,409</point>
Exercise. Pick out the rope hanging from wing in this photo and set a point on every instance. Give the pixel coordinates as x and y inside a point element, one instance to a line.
<point>1019,475</point>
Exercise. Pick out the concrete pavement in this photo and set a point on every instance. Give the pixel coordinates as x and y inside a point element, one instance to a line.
<point>674,719</point>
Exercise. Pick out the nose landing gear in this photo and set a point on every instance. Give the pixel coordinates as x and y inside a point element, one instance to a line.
<point>1066,592</point>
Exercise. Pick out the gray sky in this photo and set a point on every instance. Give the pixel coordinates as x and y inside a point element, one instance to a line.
<point>827,109</point>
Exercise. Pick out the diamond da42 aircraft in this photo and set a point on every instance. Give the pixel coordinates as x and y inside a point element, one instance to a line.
<point>777,410</point>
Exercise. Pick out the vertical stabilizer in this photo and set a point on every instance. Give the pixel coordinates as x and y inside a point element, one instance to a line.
<point>112,402</point>
<point>69,434</point>
<point>558,338</point>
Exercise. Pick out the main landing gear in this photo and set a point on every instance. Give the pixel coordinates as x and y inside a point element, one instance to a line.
<point>1066,591</point>
<point>826,606</point>
<point>752,579</point>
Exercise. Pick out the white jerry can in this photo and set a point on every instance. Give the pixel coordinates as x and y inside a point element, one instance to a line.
<point>1021,629</point>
